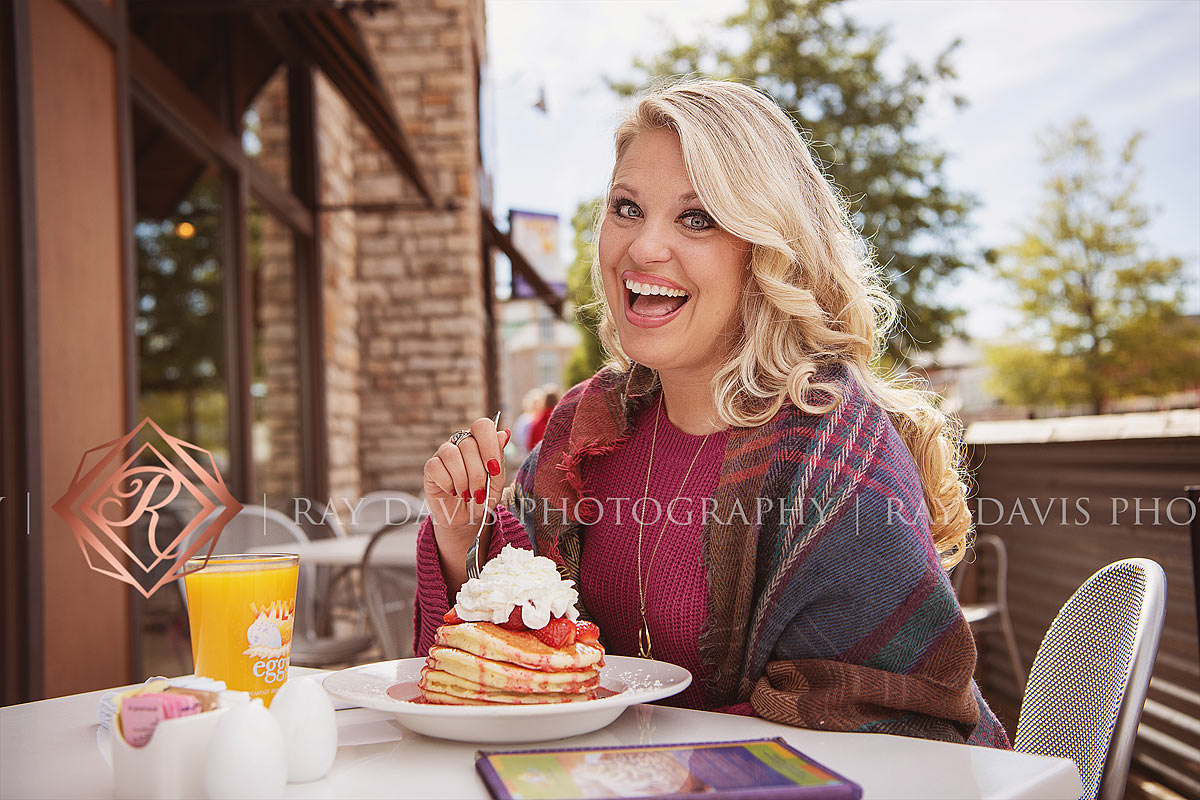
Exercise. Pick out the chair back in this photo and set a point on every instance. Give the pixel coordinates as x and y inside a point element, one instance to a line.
<point>989,612</point>
<point>389,595</point>
<point>999,565</point>
<point>1091,674</point>
<point>255,526</point>
<point>383,509</point>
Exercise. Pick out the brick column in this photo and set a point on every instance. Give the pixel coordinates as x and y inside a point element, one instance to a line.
<point>276,441</point>
<point>336,140</point>
<point>421,299</point>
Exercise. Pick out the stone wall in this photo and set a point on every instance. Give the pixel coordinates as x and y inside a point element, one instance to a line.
<point>275,446</point>
<point>421,299</point>
<point>337,134</point>
<point>404,305</point>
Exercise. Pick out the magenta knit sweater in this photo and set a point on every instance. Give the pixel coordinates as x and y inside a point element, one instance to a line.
<point>672,563</point>
<point>676,589</point>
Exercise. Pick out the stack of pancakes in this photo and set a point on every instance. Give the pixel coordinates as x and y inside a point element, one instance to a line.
<point>478,663</point>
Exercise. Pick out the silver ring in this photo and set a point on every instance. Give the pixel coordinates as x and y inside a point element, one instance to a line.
<point>458,436</point>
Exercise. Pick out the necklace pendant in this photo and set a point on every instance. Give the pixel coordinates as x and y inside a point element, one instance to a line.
<point>644,639</point>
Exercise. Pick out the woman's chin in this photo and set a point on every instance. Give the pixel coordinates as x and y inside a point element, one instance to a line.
<point>667,348</point>
<point>657,355</point>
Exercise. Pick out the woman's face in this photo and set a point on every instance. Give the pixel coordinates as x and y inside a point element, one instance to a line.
<point>672,278</point>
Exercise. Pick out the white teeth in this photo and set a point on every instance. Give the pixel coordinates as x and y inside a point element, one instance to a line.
<point>650,288</point>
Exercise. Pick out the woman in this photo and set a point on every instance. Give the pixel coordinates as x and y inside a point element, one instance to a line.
<point>806,583</point>
<point>537,428</point>
<point>531,405</point>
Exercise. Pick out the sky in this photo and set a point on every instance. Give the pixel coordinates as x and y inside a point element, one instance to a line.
<point>1023,67</point>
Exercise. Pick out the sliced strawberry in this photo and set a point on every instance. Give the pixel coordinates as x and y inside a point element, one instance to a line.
<point>587,631</point>
<point>451,618</point>
<point>514,623</point>
<point>559,632</point>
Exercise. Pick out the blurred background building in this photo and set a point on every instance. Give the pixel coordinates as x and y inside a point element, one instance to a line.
<point>535,342</point>
<point>265,225</point>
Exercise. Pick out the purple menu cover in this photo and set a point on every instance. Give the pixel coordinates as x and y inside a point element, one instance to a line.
<point>759,769</point>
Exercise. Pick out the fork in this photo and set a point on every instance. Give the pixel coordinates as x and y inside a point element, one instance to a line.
<point>473,551</point>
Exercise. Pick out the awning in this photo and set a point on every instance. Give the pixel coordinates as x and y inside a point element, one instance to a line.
<point>317,32</point>
<point>497,238</point>
<point>335,44</point>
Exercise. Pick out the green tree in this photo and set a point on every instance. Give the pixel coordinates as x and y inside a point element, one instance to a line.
<point>826,70</point>
<point>588,355</point>
<point>179,317</point>
<point>1105,312</point>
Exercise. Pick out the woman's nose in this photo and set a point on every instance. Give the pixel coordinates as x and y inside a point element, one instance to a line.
<point>652,244</point>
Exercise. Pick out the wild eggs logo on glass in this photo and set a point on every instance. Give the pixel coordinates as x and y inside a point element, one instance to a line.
<point>270,640</point>
<point>121,510</point>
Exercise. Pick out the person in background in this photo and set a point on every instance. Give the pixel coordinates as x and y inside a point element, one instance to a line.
<point>531,403</point>
<point>537,429</point>
<point>813,502</point>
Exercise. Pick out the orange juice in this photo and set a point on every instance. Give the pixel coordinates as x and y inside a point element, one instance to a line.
<point>241,609</point>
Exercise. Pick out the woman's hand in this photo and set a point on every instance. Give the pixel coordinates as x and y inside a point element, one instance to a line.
<point>462,485</point>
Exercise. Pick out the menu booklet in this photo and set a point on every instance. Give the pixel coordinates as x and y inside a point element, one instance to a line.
<point>760,768</point>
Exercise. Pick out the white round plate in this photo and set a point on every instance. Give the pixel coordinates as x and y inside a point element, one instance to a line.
<point>634,680</point>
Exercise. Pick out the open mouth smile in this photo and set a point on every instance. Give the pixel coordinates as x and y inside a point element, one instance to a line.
<point>650,305</point>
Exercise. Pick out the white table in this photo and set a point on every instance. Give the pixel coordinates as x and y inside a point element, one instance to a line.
<point>48,749</point>
<point>397,549</point>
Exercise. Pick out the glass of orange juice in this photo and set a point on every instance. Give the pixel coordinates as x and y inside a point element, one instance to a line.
<point>241,609</point>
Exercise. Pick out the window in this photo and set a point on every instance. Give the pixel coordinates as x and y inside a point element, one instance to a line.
<point>546,321</point>
<point>222,314</point>
<point>549,366</point>
<point>181,313</point>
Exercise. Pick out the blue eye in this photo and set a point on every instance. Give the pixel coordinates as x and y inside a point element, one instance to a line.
<point>621,205</point>
<point>690,219</point>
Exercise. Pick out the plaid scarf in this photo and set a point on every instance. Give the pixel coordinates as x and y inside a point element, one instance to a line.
<point>828,606</point>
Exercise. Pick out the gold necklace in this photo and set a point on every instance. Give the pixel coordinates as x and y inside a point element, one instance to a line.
<point>644,630</point>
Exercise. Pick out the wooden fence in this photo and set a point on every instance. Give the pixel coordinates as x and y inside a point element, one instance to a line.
<point>1066,508</point>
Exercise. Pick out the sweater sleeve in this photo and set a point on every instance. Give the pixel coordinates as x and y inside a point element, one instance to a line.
<point>432,601</point>
<point>862,630</point>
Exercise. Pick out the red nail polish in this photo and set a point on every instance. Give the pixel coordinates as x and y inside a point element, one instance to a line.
<point>466,495</point>
<point>507,436</point>
<point>480,496</point>
<point>493,467</point>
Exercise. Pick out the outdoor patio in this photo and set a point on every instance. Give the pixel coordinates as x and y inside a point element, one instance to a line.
<point>263,241</point>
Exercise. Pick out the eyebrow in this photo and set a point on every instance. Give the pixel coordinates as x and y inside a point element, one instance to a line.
<point>683,198</point>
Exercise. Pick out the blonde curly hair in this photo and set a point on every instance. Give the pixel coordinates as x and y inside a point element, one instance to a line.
<point>814,295</point>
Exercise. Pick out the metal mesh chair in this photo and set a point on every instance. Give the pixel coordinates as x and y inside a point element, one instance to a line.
<point>255,526</point>
<point>389,594</point>
<point>1089,680</point>
<point>991,615</point>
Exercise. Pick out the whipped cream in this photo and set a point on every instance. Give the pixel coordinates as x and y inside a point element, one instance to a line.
<point>264,632</point>
<point>517,578</point>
